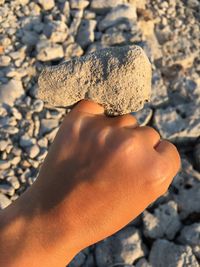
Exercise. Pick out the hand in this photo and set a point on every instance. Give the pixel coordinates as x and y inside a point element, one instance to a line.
<point>100,173</point>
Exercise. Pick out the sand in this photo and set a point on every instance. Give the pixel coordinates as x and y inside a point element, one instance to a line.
<point>118,78</point>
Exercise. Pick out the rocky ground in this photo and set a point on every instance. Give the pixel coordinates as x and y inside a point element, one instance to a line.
<point>46,32</point>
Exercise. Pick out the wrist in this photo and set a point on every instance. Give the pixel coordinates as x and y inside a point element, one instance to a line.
<point>27,235</point>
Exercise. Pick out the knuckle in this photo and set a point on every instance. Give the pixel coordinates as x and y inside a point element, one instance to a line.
<point>126,120</point>
<point>102,134</point>
<point>75,126</point>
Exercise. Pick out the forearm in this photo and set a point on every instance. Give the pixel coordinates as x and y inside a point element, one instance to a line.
<point>25,241</point>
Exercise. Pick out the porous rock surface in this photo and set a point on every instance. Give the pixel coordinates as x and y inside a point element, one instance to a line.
<point>117,78</point>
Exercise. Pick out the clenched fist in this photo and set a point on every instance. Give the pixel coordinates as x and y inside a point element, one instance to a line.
<point>100,173</point>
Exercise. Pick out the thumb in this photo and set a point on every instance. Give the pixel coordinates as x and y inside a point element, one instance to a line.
<point>88,106</point>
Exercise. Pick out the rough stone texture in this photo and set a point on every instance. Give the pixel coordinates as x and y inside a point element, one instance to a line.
<point>186,186</point>
<point>124,247</point>
<point>11,91</point>
<point>188,200</point>
<point>190,235</point>
<point>167,254</point>
<point>178,124</point>
<point>98,80</point>
<point>164,222</point>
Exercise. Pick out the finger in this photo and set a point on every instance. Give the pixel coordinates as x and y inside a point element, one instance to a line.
<point>149,134</point>
<point>170,153</point>
<point>88,106</point>
<point>124,121</point>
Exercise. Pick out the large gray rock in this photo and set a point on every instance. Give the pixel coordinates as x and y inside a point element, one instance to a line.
<point>121,85</point>
<point>124,13</point>
<point>122,248</point>
<point>190,235</point>
<point>167,254</point>
<point>11,91</point>
<point>164,222</point>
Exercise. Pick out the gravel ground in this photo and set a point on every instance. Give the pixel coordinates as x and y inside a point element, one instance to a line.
<point>47,32</point>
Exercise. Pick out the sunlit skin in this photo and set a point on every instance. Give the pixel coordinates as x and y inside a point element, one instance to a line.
<point>100,173</point>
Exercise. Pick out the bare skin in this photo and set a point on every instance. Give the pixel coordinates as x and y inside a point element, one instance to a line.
<point>100,173</point>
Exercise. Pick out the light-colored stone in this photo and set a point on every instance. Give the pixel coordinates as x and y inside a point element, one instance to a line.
<point>47,4</point>
<point>124,13</point>
<point>73,50</point>
<point>164,222</point>
<point>7,189</point>
<point>190,235</point>
<point>118,78</point>
<point>4,61</point>
<point>47,125</point>
<point>13,181</point>
<point>103,6</point>
<point>49,51</point>
<point>188,200</point>
<point>4,201</point>
<point>172,125</point>
<point>33,151</point>
<point>56,31</point>
<point>4,165</point>
<point>165,254</point>
<point>124,247</point>
<point>11,91</point>
<point>26,141</point>
<point>3,144</point>
<point>79,4</point>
